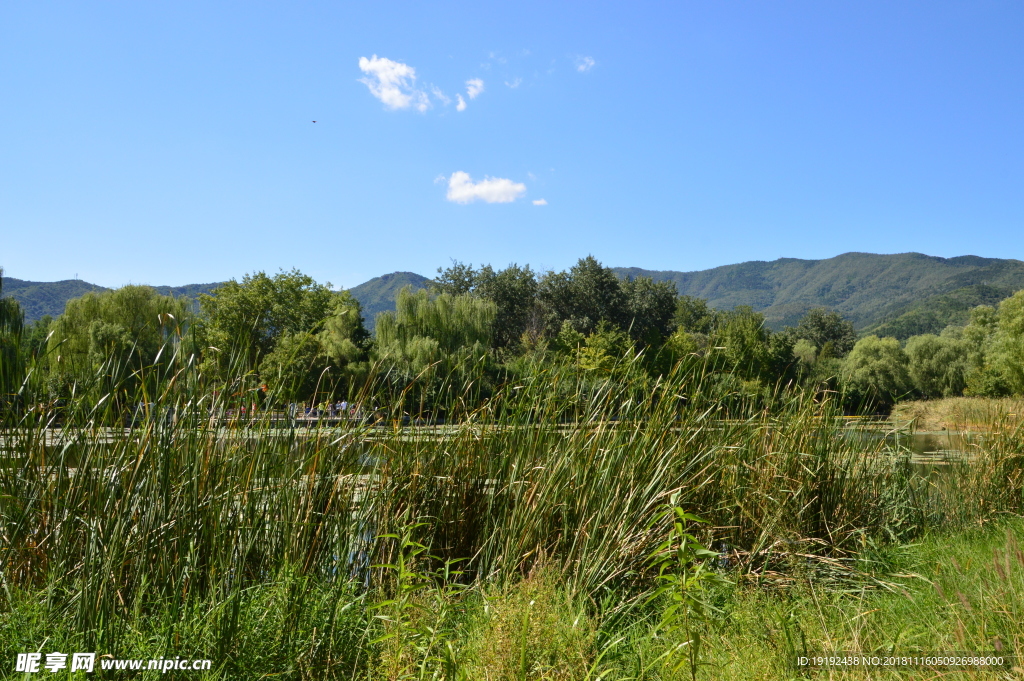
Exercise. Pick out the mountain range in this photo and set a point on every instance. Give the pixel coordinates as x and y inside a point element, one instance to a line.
<point>895,295</point>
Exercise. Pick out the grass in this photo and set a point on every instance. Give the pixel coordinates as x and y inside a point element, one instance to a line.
<point>517,542</point>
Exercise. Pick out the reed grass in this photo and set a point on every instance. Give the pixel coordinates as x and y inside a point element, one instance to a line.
<point>178,530</point>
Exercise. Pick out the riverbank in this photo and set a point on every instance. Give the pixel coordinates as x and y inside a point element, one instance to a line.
<point>960,413</point>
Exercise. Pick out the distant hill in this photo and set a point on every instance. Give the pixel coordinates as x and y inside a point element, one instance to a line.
<point>40,298</point>
<point>379,294</point>
<point>871,290</point>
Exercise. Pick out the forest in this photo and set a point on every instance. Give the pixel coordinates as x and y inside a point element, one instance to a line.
<point>286,338</point>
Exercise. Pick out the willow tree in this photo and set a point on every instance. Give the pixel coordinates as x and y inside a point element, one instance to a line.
<point>435,347</point>
<point>12,366</point>
<point>115,340</point>
<point>876,372</point>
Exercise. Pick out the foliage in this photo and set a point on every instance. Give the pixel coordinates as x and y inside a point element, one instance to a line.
<point>513,291</point>
<point>693,315</point>
<point>938,365</point>
<point>584,296</point>
<point>442,340</point>
<point>827,331</point>
<point>877,370</point>
<point>685,581</point>
<point>245,320</point>
<point>102,338</point>
<point>651,308</point>
<point>12,368</point>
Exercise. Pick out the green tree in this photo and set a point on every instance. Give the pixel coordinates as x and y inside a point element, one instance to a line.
<point>513,291</point>
<point>604,349</point>
<point>1009,341</point>
<point>35,337</point>
<point>827,331</point>
<point>745,342</point>
<point>307,365</point>
<point>111,335</point>
<point>243,321</point>
<point>434,334</point>
<point>12,367</point>
<point>585,295</point>
<point>457,280</point>
<point>937,365</point>
<point>650,307</point>
<point>296,369</point>
<point>876,371</point>
<point>805,351</point>
<point>694,316</point>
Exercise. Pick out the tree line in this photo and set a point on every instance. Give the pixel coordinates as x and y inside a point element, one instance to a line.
<point>287,338</point>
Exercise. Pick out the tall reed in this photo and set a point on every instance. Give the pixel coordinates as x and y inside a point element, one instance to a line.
<point>147,498</point>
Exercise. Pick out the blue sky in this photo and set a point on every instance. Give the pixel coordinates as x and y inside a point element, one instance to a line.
<point>172,142</point>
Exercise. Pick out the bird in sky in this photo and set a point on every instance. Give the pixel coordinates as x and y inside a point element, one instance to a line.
<point>314,121</point>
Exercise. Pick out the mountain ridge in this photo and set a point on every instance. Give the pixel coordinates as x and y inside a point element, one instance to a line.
<point>898,294</point>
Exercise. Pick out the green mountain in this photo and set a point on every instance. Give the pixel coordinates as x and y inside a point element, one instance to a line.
<point>871,290</point>
<point>935,313</point>
<point>40,298</point>
<point>379,294</point>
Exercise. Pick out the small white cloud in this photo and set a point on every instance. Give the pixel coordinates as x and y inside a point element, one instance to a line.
<point>515,83</point>
<point>540,202</point>
<point>440,95</point>
<point>584,64</point>
<point>474,86</point>
<point>462,189</point>
<point>461,106</point>
<point>393,83</point>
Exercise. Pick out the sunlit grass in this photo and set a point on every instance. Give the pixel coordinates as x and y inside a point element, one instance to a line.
<point>265,548</point>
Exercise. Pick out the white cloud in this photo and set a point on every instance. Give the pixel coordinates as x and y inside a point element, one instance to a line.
<point>440,95</point>
<point>462,189</point>
<point>540,202</point>
<point>393,83</point>
<point>584,64</point>
<point>515,83</point>
<point>461,106</point>
<point>474,86</point>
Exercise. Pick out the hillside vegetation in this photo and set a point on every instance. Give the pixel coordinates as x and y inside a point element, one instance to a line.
<point>866,288</point>
<point>39,299</point>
